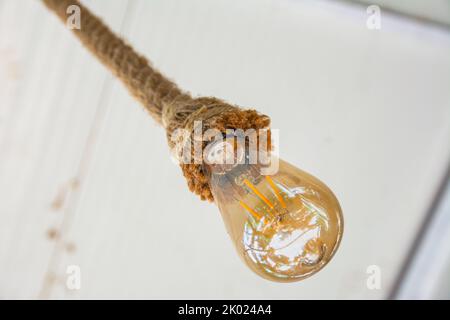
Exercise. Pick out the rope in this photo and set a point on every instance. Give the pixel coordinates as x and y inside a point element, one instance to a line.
<point>165,102</point>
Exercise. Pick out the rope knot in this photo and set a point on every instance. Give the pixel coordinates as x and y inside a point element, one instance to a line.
<point>186,121</point>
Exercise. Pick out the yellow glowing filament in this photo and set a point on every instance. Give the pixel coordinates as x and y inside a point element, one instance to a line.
<point>252,212</point>
<point>259,194</point>
<point>277,192</point>
<point>285,226</point>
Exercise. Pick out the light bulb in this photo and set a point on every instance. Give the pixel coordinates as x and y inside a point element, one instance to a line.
<point>285,226</point>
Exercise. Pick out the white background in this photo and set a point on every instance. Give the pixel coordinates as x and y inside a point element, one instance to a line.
<point>85,174</point>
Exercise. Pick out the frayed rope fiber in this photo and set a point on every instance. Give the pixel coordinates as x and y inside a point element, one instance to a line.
<point>165,102</point>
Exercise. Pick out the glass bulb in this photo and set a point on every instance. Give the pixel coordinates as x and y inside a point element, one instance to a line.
<point>285,226</point>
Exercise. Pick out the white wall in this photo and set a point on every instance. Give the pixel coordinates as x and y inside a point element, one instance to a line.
<point>367,111</point>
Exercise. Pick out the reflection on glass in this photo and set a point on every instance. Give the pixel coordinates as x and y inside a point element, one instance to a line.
<point>285,226</point>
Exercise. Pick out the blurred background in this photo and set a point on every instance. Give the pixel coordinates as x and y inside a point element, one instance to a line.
<point>358,89</point>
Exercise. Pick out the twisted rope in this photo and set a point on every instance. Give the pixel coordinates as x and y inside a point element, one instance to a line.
<point>165,102</point>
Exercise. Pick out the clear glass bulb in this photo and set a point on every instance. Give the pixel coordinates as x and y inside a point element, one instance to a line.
<point>285,226</point>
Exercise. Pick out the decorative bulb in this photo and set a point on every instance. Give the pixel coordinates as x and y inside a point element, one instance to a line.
<point>285,226</point>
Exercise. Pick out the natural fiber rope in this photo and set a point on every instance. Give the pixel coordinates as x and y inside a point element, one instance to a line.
<point>165,102</point>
